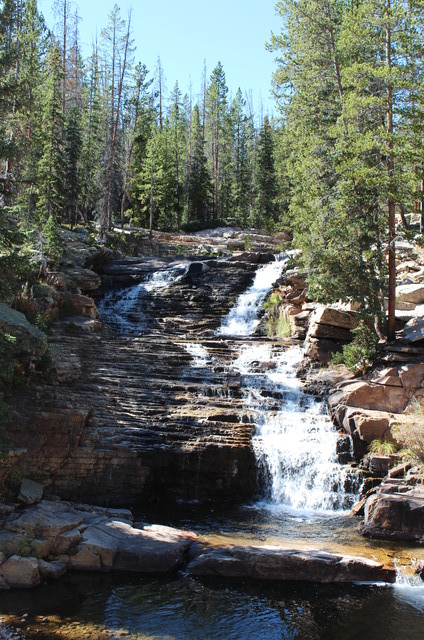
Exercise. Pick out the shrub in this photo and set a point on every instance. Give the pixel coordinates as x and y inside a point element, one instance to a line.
<point>382,447</point>
<point>362,352</point>
<point>409,432</point>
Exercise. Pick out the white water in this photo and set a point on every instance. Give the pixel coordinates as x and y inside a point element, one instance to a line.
<point>123,309</point>
<point>409,588</point>
<point>295,442</point>
<point>243,318</point>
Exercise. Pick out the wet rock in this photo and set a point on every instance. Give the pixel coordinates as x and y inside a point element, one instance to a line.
<point>274,563</point>
<point>51,570</point>
<point>30,492</point>
<point>396,511</point>
<point>22,573</point>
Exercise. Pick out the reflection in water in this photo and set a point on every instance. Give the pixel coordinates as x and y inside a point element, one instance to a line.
<point>183,608</point>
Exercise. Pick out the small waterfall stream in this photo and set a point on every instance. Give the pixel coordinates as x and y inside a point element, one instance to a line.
<point>294,443</point>
<point>122,309</point>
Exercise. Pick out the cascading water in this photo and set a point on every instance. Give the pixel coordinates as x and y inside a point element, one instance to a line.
<point>243,318</point>
<point>122,310</point>
<point>295,443</point>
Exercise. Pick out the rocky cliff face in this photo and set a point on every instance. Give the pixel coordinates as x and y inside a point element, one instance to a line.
<point>125,419</point>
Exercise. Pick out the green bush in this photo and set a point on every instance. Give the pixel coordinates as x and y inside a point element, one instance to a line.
<point>362,352</point>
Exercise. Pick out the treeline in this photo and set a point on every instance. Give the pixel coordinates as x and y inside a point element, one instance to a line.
<point>93,139</point>
<point>350,84</point>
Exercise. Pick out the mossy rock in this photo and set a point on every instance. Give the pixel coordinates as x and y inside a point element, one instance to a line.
<point>29,340</point>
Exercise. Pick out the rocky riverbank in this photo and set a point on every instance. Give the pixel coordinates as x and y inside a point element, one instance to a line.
<point>43,541</point>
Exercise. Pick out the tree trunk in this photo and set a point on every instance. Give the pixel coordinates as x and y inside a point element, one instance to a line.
<point>391,318</point>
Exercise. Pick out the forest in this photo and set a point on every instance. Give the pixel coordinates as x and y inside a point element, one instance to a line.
<point>92,141</point>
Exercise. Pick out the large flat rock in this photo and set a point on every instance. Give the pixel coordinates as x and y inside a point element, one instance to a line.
<point>275,563</point>
<point>113,544</point>
<point>47,520</point>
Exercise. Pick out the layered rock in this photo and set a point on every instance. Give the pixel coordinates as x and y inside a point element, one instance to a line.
<point>135,419</point>
<point>366,408</point>
<point>396,510</point>
<point>60,536</point>
<point>329,329</point>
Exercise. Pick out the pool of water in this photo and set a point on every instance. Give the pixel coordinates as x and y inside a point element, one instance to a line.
<point>181,607</point>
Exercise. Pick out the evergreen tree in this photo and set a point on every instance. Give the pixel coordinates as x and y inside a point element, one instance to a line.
<point>216,110</point>
<point>266,177</point>
<point>242,182</point>
<point>50,179</point>
<point>199,187</point>
<point>73,147</point>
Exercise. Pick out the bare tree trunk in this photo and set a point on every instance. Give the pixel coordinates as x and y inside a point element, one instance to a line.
<point>391,318</point>
<point>107,220</point>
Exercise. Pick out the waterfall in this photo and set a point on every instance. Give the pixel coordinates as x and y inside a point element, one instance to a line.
<point>123,310</point>
<point>409,587</point>
<point>295,442</point>
<point>243,318</point>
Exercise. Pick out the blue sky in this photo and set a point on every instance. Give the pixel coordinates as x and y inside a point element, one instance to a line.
<point>185,32</point>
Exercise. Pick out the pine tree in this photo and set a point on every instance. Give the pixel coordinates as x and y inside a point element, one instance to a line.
<point>266,178</point>
<point>242,175</point>
<point>199,187</point>
<point>50,179</point>
<point>216,110</point>
<point>73,148</point>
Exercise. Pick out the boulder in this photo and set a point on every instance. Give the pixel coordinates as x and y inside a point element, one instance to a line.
<point>334,317</point>
<point>276,563</point>
<point>65,541</point>
<point>83,279</point>
<point>31,492</point>
<point>154,549</point>
<point>86,560</point>
<point>396,511</point>
<point>369,425</point>
<point>113,544</point>
<point>368,395</point>
<point>414,330</point>
<point>413,293</point>
<point>51,570</point>
<point>29,340</point>
<point>20,572</point>
<point>412,375</point>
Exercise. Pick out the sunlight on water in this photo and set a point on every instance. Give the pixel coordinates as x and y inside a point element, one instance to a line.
<point>123,309</point>
<point>295,442</point>
<point>243,318</point>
